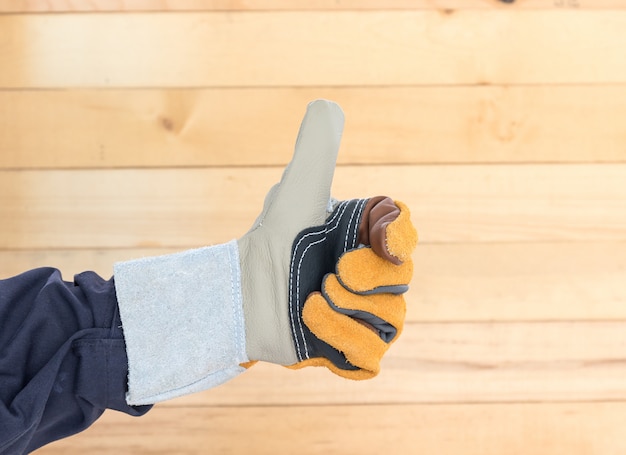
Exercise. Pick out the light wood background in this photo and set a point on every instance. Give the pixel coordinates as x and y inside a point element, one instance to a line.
<point>137,127</point>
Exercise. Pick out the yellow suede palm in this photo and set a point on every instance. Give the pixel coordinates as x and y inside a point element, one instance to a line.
<point>364,282</point>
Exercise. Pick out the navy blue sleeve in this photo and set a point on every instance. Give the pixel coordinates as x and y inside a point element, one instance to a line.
<point>62,357</point>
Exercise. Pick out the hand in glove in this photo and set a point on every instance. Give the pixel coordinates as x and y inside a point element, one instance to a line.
<point>302,287</point>
<point>296,248</point>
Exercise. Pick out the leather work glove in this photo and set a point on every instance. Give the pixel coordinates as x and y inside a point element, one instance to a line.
<point>315,282</point>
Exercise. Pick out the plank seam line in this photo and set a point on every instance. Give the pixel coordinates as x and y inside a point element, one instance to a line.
<point>398,404</point>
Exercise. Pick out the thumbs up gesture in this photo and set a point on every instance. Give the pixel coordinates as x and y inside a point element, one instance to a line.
<point>314,282</point>
<point>324,287</point>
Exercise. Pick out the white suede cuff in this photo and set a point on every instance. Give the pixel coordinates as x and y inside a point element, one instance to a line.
<point>183,322</point>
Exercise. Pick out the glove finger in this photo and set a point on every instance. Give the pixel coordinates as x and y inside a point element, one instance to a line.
<point>364,272</point>
<point>386,226</point>
<point>382,313</point>
<point>361,346</point>
<point>377,214</point>
<point>303,194</point>
<point>401,234</point>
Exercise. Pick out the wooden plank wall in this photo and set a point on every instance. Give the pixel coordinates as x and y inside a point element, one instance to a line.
<point>136,127</point>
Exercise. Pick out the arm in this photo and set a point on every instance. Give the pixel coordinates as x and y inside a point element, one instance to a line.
<point>62,357</point>
<point>315,282</point>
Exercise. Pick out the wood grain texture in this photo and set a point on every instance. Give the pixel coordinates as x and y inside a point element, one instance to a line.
<point>455,363</point>
<point>186,207</point>
<point>140,127</point>
<point>518,429</point>
<point>452,282</point>
<point>402,125</point>
<point>339,49</point>
<point>38,6</point>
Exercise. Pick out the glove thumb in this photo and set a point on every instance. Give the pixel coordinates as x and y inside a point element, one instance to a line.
<point>301,197</point>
